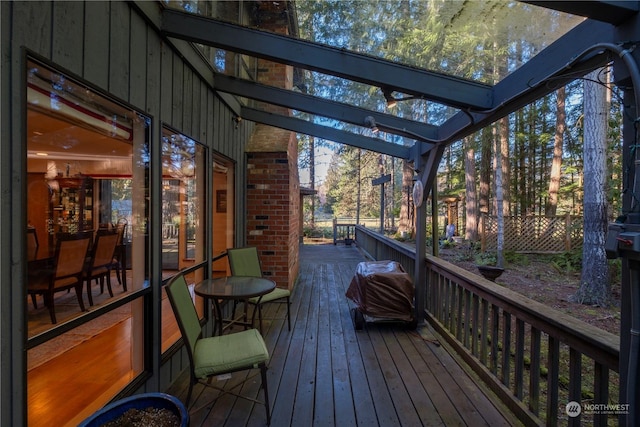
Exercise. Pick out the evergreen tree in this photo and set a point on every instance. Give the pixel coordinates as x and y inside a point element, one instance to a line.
<point>594,283</point>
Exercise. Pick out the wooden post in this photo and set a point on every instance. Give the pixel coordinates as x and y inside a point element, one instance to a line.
<point>380,181</point>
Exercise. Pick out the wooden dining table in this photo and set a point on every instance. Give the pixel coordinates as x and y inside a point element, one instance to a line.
<point>233,288</point>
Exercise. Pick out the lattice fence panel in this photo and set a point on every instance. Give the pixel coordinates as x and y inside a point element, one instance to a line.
<point>534,233</point>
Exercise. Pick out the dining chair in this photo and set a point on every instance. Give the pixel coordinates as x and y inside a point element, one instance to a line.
<point>101,262</point>
<point>66,273</point>
<point>218,355</point>
<point>246,262</point>
<point>118,258</point>
<point>32,243</point>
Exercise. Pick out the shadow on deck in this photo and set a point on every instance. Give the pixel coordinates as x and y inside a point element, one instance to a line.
<point>325,373</point>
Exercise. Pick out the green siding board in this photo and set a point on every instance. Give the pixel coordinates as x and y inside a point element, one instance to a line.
<point>166,81</point>
<point>67,44</point>
<point>154,72</point>
<point>96,49</point>
<point>177,88</point>
<point>119,50</point>
<point>187,96</point>
<point>138,76</point>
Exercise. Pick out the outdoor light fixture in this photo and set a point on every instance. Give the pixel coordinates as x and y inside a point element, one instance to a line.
<point>237,120</point>
<point>369,121</point>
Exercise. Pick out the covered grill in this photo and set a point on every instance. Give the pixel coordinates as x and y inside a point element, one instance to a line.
<point>382,291</point>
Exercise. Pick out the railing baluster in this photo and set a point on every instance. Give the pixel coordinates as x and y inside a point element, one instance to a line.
<point>460,322</point>
<point>448,302</point>
<point>441,289</point>
<point>495,338</point>
<point>435,295</point>
<point>467,318</point>
<point>553,370</point>
<point>601,392</point>
<point>575,382</point>
<point>519,359</point>
<point>534,372</point>
<point>506,347</point>
<point>474,325</point>
<point>452,314</point>
<point>485,324</point>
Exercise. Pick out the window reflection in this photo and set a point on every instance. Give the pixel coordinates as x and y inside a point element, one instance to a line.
<point>81,152</point>
<point>183,208</point>
<point>182,201</point>
<point>87,162</point>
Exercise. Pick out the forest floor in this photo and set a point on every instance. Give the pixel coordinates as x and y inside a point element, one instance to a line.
<point>538,278</point>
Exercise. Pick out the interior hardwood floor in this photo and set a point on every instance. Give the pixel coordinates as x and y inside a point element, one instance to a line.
<point>58,396</point>
<point>64,390</point>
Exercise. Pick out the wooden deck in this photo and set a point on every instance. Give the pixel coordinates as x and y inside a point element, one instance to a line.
<point>326,373</point>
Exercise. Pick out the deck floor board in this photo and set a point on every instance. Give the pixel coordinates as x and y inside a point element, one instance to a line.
<point>325,373</point>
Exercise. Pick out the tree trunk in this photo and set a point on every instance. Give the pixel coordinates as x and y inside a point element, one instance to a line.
<point>312,176</point>
<point>471,197</point>
<point>506,165</point>
<point>594,284</point>
<point>359,191</point>
<point>406,223</point>
<point>554,177</point>
<point>485,173</point>
<point>497,164</point>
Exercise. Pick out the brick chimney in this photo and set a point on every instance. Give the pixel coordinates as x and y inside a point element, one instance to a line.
<point>273,185</point>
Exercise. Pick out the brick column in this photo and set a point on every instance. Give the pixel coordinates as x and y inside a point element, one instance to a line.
<point>273,212</point>
<point>273,186</point>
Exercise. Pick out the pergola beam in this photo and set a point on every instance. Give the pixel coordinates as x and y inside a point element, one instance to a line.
<point>325,132</point>
<point>449,90</point>
<point>321,107</point>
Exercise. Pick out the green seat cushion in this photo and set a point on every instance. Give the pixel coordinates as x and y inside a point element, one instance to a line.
<point>275,294</point>
<point>226,353</point>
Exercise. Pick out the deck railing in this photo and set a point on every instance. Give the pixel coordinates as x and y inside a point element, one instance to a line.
<point>343,232</point>
<point>536,359</point>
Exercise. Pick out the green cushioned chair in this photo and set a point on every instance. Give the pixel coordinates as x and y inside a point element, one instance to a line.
<point>218,355</point>
<point>246,262</point>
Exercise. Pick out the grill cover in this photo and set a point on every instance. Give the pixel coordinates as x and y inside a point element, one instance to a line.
<point>382,289</point>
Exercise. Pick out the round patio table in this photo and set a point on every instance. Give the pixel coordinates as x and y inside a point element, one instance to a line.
<point>233,288</point>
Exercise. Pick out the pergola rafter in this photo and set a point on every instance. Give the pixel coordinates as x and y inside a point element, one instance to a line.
<point>320,106</point>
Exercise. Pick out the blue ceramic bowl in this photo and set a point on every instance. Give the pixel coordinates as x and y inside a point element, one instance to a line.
<point>139,401</point>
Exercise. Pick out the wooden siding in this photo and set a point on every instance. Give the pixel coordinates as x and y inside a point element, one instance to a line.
<point>114,47</point>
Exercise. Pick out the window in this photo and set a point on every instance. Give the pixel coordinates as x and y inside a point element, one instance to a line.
<point>223,212</point>
<point>183,218</point>
<point>87,176</point>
